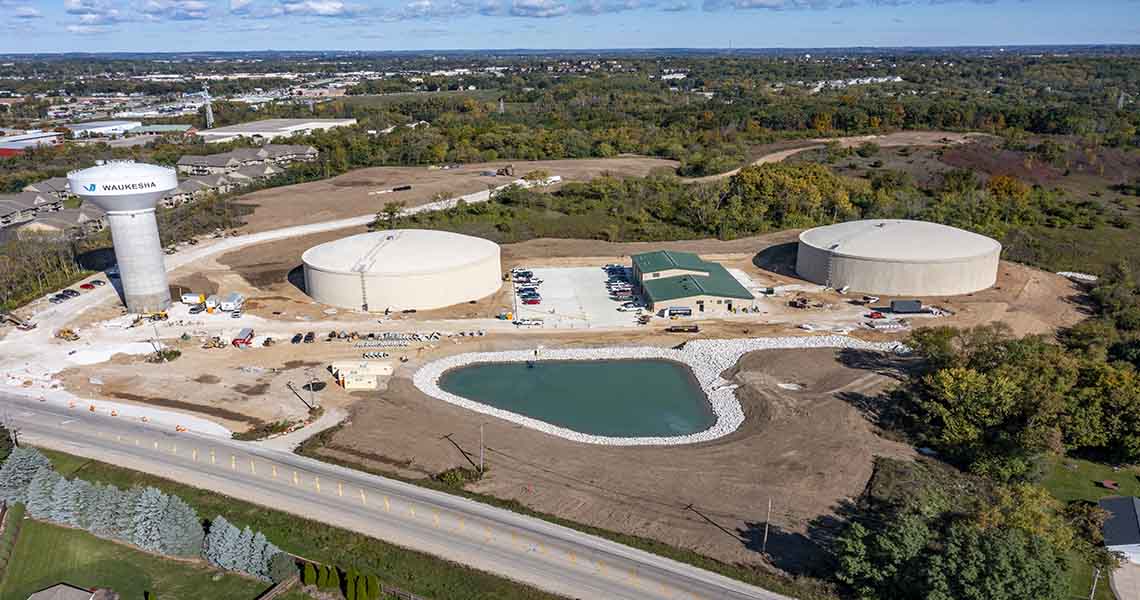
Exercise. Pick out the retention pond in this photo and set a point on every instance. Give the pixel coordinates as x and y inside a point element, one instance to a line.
<point>616,398</point>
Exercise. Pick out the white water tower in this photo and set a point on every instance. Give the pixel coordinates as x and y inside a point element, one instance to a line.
<point>129,191</point>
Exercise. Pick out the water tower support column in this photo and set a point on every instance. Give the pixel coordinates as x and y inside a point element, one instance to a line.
<point>138,251</point>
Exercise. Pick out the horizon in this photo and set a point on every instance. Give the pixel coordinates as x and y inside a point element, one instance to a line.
<point>192,26</point>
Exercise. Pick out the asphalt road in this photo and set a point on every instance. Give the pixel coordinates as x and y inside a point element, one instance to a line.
<point>547,556</point>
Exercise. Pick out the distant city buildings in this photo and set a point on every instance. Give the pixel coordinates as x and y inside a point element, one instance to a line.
<point>102,128</point>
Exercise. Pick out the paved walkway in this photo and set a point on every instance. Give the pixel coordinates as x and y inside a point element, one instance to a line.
<point>1126,581</point>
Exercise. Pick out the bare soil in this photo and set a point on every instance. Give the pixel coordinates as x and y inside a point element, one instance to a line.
<point>349,195</point>
<point>808,450</point>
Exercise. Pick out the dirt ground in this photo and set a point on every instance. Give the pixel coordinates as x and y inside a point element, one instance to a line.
<point>809,450</point>
<point>348,195</point>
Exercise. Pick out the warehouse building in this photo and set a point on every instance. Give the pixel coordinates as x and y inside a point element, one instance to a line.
<point>898,257</point>
<point>102,128</point>
<point>271,129</point>
<point>682,282</point>
<point>402,270</point>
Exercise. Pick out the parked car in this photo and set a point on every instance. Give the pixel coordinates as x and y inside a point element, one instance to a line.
<point>297,338</point>
<point>86,286</point>
<point>532,301</point>
<point>98,282</point>
<point>310,337</point>
<point>55,300</point>
<point>197,309</point>
<point>70,293</point>
<point>628,308</point>
<point>235,314</point>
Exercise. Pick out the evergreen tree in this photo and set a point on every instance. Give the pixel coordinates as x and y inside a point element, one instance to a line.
<point>86,498</point>
<point>103,509</point>
<point>65,503</point>
<point>362,588</point>
<point>244,551</point>
<point>40,496</point>
<point>124,514</point>
<point>282,566</point>
<point>148,533</point>
<point>230,551</point>
<point>256,562</point>
<point>373,587</point>
<point>182,531</point>
<point>214,548</point>
<point>350,585</point>
<point>323,577</point>
<point>334,578</point>
<point>18,470</point>
<point>309,574</point>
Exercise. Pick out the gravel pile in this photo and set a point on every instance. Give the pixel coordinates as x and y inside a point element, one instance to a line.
<point>706,358</point>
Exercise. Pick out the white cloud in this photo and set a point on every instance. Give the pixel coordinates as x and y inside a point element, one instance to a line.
<point>538,8</point>
<point>177,10</point>
<point>317,8</point>
<point>27,12</point>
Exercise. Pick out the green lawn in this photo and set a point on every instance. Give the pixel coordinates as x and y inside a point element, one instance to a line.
<point>46,554</point>
<point>412,571</point>
<point>1071,479</point>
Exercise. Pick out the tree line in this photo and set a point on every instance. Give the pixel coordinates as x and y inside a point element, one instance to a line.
<point>144,517</point>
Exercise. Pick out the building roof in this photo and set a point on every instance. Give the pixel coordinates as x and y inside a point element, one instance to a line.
<point>62,591</point>
<point>49,186</point>
<point>665,260</point>
<point>1123,525</point>
<point>164,128</point>
<point>899,240</point>
<point>719,282</point>
<point>90,125</point>
<point>399,252</point>
<point>207,160</point>
<point>276,126</point>
<point>65,219</point>
<point>28,200</point>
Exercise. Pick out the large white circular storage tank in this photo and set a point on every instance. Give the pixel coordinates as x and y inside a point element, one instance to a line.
<point>402,269</point>
<point>898,257</point>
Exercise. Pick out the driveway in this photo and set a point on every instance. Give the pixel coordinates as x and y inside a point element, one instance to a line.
<point>1126,581</point>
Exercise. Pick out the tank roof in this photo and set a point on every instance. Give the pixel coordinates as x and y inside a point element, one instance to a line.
<point>399,252</point>
<point>123,186</point>
<point>899,240</point>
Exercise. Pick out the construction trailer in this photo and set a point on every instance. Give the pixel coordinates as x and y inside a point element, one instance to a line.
<point>355,375</point>
<point>233,301</point>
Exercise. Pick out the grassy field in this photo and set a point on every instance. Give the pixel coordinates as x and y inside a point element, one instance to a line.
<point>46,554</point>
<point>1071,479</point>
<point>412,571</point>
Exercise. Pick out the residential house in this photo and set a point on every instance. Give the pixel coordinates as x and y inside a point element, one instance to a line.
<point>1122,528</point>
<point>25,206</point>
<point>63,591</point>
<point>209,164</point>
<point>56,186</point>
<point>284,154</point>
<point>69,223</point>
<point>253,174</point>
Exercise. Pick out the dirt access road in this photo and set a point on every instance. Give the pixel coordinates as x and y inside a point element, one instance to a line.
<point>890,140</point>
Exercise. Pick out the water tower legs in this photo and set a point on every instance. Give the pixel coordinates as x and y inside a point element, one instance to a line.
<point>138,251</point>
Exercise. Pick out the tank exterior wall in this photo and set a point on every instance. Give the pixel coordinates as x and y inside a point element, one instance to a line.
<point>950,278</point>
<point>138,252</point>
<point>812,263</point>
<point>421,291</point>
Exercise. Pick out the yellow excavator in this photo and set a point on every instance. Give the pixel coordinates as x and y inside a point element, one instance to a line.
<point>67,335</point>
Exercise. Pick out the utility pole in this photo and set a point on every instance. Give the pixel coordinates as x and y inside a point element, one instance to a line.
<point>767,521</point>
<point>1096,578</point>
<point>481,453</point>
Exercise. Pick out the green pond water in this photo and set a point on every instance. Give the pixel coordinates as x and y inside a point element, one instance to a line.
<point>617,398</point>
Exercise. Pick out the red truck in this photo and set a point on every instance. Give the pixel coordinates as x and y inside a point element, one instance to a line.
<point>244,338</point>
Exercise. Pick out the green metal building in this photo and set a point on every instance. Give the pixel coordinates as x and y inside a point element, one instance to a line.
<point>682,280</point>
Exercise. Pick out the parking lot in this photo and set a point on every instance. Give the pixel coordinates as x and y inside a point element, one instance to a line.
<point>574,298</point>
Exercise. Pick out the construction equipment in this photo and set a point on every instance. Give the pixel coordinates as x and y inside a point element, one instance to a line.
<point>157,316</point>
<point>507,171</point>
<point>802,302</point>
<point>20,324</point>
<point>213,343</point>
<point>67,335</point>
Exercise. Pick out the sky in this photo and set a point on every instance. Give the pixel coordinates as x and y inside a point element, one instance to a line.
<point>196,25</point>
